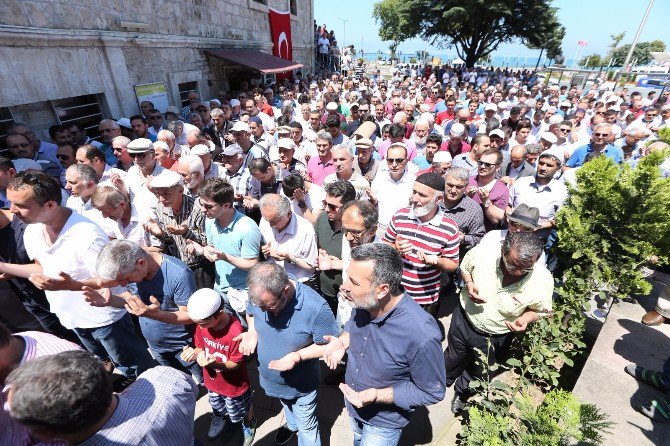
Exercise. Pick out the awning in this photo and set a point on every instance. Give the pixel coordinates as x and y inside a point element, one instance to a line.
<point>263,62</point>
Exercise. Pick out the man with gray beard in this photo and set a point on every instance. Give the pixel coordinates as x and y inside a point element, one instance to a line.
<point>427,240</point>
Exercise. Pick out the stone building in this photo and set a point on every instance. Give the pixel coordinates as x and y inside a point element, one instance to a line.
<point>64,60</point>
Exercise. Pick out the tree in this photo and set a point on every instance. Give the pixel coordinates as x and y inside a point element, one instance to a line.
<point>552,44</point>
<point>390,16</point>
<point>477,27</point>
<point>641,54</point>
<point>592,61</point>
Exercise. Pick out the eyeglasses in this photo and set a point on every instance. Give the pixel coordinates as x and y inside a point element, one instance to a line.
<point>138,155</point>
<point>512,268</point>
<point>395,160</point>
<point>601,135</point>
<point>354,232</point>
<point>564,130</point>
<point>487,165</point>
<point>207,206</point>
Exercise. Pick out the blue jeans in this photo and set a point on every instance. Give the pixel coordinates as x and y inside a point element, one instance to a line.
<point>173,359</point>
<point>369,435</point>
<point>301,416</point>
<point>118,342</point>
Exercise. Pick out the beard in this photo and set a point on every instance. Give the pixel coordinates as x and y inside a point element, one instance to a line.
<point>369,303</point>
<point>421,211</point>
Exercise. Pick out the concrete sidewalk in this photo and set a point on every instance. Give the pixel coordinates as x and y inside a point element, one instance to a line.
<point>603,381</point>
<point>428,425</point>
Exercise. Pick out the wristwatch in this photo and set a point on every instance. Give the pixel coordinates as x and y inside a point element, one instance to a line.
<point>487,203</point>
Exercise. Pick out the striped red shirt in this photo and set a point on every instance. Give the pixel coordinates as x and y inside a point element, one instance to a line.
<point>439,236</point>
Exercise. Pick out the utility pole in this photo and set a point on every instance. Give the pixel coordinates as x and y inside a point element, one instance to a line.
<point>344,32</point>
<point>637,37</point>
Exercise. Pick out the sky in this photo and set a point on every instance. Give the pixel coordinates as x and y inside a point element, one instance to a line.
<point>590,20</point>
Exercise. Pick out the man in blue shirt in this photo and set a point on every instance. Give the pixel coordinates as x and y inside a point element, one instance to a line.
<point>598,144</point>
<point>233,239</point>
<point>389,371</point>
<point>289,323</point>
<point>164,285</point>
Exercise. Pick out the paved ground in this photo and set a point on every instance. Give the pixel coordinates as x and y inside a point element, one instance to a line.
<point>428,426</point>
<point>603,381</point>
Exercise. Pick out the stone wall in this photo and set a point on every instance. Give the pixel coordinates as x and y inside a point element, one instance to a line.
<point>53,49</point>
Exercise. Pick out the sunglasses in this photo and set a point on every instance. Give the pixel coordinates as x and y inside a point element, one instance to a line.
<point>484,164</point>
<point>395,160</point>
<point>564,130</point>
<point>155,117</point>
<point>62,157</point>
<point>138,155</point>
<point>601,135</point>
<point>331,206</point>
<point>206,206</point>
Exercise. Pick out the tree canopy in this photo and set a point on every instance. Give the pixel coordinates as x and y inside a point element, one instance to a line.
<point>641,54</point>
<point>392,21</point>
<point>592,61</point>
<point>477,27</point>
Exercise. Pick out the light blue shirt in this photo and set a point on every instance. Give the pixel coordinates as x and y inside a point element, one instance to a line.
<point>579,155</point>
<point>241,238</point>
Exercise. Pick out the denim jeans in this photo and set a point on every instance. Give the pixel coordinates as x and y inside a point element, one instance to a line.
<point>118,342</point>
<point>173,359</point>
<point>301,416</point>
<point>369,435</point>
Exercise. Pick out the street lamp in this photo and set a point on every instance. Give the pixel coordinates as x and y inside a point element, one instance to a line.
<point>344,32</point>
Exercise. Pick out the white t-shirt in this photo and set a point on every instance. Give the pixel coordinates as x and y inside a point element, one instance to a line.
<point>74,252</point>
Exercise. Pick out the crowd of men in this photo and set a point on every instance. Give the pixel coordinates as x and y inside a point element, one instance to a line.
<point>326,218</point>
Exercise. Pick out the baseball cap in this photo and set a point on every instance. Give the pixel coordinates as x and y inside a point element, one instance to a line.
<point>203,304</point>
<point>140,145</point>
<point>497,132</point>
<point>231,150</point>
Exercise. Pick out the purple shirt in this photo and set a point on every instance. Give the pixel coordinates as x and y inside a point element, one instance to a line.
<point>318,170</point>
<point>499,197</point>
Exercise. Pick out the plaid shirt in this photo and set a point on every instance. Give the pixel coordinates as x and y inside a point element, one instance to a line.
<point>241,182</point>
<point>193,217</point>
<point>469,217</point>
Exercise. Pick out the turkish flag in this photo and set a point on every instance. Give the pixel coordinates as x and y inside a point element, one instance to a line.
<point>280,27</point>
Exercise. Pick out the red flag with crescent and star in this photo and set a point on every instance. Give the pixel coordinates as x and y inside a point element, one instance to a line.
<point>280,28</point>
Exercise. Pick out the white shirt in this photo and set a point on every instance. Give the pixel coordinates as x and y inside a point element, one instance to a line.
<point>109,170</point>
<point>74,252</point>
<point>134,232</point>
<point>298,239</point>
<point>547,199</point>
<point>313,199</point>
<point>87,210</point>
<point>391,195</point>
<point>137,185</point>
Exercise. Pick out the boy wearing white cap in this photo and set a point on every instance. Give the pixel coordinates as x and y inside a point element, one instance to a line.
<point>225,373</point>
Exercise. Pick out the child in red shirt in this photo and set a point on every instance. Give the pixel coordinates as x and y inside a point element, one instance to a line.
<point>224,371</point>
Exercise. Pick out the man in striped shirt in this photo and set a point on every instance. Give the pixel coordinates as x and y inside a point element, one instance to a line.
<point>16,350</point>
<point>427,240</point>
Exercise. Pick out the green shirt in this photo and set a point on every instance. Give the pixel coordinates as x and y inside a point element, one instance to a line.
<point>534,291</point>
<point>329,240</point>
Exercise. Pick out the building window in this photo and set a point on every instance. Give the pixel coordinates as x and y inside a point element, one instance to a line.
<point>262,2</point>
<point>6,121</point>
<point>184,90</point>
<point>293,7</point>
<point>84,110</point>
